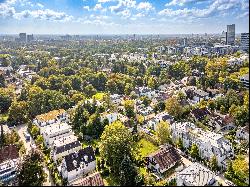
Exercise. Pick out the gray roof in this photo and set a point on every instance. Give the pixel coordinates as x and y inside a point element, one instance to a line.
<point>245,77</point>
<point>196,175</point>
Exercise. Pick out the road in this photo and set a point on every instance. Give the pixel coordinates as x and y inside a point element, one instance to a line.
<point>27,144</point>
<point>20,130</point>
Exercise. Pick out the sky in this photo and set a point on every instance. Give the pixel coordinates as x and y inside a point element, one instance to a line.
<point>122,16</point>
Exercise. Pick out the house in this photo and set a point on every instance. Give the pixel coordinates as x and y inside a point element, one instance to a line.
<point>200,113</point>
<point>244,79</point>
<point>152,123</point>
<point>200,94</point>
<point>116,99</point>
<point>9,159</point>
<point>144,110</point>
<point>195,175</point>
<point>163,159</point>
<point>51,117</point>
<point>243,133</point>
<point>145,91</point>
<point>209,143</point>
<point>94,179</point>
<point>64,146</point>
<point>56,131</point>
<point>77,164</point>
<point>110,116</point>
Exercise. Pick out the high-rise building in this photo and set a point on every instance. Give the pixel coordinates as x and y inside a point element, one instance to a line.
<point>22,37</point>
<point>185,42</point>
<point>30,38</point>
<point>244,41</point>
<point>230,35</point>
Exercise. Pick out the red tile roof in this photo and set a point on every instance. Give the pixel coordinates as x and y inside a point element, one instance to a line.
<point>9,152</point>
<point>92,180</point>
<point>165,157</point>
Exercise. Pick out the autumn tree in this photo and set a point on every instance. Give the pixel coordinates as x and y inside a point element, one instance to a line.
<point>173,107</point>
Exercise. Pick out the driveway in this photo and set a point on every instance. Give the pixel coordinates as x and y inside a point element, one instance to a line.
<point>20,130</point>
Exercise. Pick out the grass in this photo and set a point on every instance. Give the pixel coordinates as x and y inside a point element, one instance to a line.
<point>146,147</point>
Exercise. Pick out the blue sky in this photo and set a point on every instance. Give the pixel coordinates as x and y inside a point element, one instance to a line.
<point>122,16</point>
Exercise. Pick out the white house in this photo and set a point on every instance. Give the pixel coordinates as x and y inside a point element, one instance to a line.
<point>51,117</point>
<point>116,99</point>
<point>77,164</point>
<point>152,123</point>
<point>243,133</point>
<point>209,143</point>
<point>195,175</point>
<point>64,146</point>
<point>200,94</point>
<point>9,160</point>
<point>56,131</point>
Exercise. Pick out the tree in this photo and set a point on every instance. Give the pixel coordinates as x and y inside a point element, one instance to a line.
<point>34,131</point>
<point>2,81</point>
<point>179,144</point>
<point>173,107</point>
<point>163,132</point>
<point>213,163</point>
<point>18,113</point>
<point>241,168</point>
<point>194,152</point>
<point>5,100</point>
<point>128,172</point>
<point>129,108</point>
<point>116,141</point>
<point>30,172</point>
<point>2,136</point>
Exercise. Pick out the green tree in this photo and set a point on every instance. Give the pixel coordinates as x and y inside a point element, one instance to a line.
<point>163,132</point>
<point>128,172</point>
<point>116,141</point>
<point>5,100</point>
<point>30,172</point>
<point>194,152</point>
<point>2,81</point>
<point>18,113</point>
<point>179,144</point>
<point>34,131</point>
<point>213,163</point>
<point>129,108</point>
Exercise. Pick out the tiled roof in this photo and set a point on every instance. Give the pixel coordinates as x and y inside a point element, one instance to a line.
<point>165,157</point>
<point>8,152</point>
<point>74,160</point>
<point>92,180</point>
<point>50,115</point>
<point>67,147</point>
<point>200,113</point>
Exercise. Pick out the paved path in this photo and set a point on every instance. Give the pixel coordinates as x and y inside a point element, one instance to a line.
<point>20,130</point>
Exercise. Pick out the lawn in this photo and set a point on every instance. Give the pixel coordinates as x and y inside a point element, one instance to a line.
<point>146,147</point>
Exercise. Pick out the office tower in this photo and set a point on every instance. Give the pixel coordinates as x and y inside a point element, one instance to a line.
<point>30,38</point>
<point>22,37</point>
<point>230,34</point>
<point>185,42</point>
<point>244,41</point>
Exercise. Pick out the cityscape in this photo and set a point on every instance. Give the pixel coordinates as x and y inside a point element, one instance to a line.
<point>124,93</point>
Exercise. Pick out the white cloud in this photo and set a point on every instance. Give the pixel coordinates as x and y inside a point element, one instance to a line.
<point>98,7</point>
<point>105,1</point>
<point>183,2</point>
<point>86,8</point>
<point>243,15</point>
<point>145,6</point>
<point>218,7</point>
<point>123,5</point>
<point>40,5</point>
